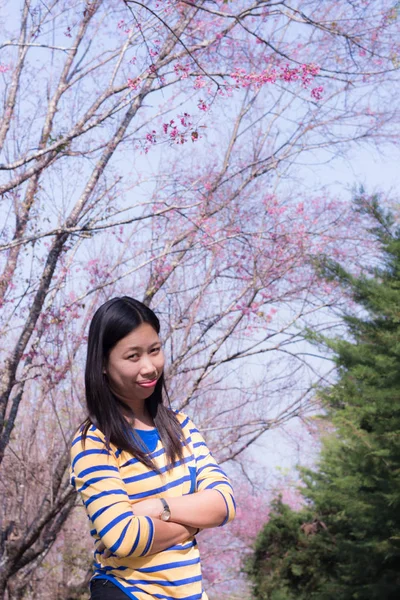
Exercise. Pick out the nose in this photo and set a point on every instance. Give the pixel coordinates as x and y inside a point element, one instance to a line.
<point>146,366</point>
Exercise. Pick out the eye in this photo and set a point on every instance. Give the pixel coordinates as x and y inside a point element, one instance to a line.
<point>155,350</point>
<point>133,356</point>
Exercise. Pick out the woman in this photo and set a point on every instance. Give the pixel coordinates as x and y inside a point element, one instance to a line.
<point>145,475</point>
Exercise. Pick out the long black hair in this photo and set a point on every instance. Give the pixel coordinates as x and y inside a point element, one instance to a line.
<point>113,321</point>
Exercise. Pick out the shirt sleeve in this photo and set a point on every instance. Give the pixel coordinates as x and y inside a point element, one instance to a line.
<point>209,475</point>
<point>95,475</point>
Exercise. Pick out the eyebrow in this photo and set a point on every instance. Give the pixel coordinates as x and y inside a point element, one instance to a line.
<point>141,347</point>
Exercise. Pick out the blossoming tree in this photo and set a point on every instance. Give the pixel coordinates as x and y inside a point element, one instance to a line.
<point>148,148</point>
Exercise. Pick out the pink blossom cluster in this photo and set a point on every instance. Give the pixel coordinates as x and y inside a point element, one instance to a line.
<point>304,73</point>
<point>244,79</point>
<point>172,130</point>
<point>203,106</point>
<point>150,140</point>
<point>161,271</point>
<point>316,93</point>
<point>308,72</point>
<point>133,84</point>
<point>163,4</point>
<point>122,26</point>
<point>4,68</point>
<point>181,70</point>
<point>177,131</point>
<point>255,308</point>
<point>200,82</point>
<point>96,271</point>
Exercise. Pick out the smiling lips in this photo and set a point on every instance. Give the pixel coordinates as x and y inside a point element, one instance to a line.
<point>147,384</point>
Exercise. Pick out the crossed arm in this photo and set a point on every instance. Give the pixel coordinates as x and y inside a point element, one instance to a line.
<point>189,513</point>
<point>200,510</point>
<point>135,529</point>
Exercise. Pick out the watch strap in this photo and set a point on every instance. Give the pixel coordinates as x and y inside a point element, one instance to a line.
<point>164,503</point>
<point>166,511</point>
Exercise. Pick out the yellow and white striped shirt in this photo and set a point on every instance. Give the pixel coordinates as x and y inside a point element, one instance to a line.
<point>111,481</point>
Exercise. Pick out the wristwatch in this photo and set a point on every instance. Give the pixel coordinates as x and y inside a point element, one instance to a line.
<point>165,514</point>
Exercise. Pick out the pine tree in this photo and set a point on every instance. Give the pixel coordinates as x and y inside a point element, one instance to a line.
<point>353,550</point>
<point>292,555</point>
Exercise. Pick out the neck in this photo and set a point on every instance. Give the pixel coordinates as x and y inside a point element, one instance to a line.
<point>142,418</point>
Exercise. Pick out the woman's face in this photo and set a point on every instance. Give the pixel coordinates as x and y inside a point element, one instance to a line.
<point>135,364</point>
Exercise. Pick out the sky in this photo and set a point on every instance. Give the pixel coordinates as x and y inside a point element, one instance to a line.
<point>375,170</point>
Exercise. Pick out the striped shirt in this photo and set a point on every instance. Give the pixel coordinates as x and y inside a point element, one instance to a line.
<point>111,481</point>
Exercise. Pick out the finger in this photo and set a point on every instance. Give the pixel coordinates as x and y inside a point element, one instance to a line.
<point>103,550</point>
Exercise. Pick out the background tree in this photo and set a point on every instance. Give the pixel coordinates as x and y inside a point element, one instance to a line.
<point>346,543</point>
<point>147,149</point>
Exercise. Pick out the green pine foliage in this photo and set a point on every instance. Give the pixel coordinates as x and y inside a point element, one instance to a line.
<point>346,544</point>
<point>292,555</point>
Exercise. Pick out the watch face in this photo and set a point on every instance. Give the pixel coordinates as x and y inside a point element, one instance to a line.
<point>165,515</point>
